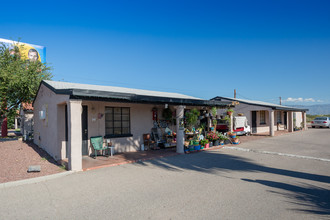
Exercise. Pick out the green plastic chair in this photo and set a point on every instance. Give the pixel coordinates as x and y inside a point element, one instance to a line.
<point>97,143</point>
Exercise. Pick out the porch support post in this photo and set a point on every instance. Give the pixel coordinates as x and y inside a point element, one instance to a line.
<point>74,135</point>
<point>290,121</point>
<point>208,120</point>
<point>15,122</point>
<point>179,129</point>
<point>271,123</point>
<point>304,120</point>
<point>231,129</point>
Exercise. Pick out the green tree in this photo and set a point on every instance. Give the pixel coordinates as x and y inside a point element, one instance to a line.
<point>19,79</point>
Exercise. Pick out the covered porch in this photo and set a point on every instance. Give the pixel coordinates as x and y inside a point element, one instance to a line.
<point>87,118</point>
<point>120,115</point>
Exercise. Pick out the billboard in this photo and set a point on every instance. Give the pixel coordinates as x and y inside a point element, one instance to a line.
<point>27,51</point>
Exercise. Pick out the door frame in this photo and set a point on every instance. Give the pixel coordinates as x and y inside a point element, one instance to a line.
<point>253,122</point>
<point>84,130</point>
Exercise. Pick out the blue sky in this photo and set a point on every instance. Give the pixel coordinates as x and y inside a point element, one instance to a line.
<point>263,49</point>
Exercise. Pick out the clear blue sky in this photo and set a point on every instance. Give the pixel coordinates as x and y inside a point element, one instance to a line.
<point>264,49</point>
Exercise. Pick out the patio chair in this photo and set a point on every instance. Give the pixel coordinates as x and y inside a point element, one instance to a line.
<point>97,143</point>
<point>148,143</point>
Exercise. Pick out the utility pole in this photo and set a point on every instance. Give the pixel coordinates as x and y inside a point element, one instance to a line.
<point>234,93</point>
<point>280,100</point>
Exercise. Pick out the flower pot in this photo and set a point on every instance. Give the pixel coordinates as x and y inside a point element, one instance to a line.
<point>236,141</point>
<point>227,142</point>
<point>233,136</point>
<point>198,147</point>
<point>202,147</point>
<point>207,145</point>
<point>216,143</point>
<point>222,142</point>
<point>191,148</point>
<point>211,144</point>
<point>195,143</point>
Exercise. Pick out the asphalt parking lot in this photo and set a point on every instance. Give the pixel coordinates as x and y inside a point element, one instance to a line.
<point>225,183</point>
<point>315,142</point>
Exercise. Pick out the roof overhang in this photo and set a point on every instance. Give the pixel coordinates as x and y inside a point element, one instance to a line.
<point>96,95</point>
<point>274,107</point>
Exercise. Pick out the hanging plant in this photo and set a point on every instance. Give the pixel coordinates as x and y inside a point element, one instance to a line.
<point>167,114</point>
<point>192,117</point>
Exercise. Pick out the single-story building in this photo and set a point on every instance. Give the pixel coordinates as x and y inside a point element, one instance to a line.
<point>66,115</point>
<point>267,117</point>
<point>26,119</point>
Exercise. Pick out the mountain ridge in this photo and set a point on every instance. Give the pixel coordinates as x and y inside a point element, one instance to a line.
<point>319,109</point>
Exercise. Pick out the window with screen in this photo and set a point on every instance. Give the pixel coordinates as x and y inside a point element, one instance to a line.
<point>117,121</point>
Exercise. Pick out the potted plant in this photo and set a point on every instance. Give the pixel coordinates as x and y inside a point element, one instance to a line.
<point>212,136</point>
<point>214,121</point>
<point>236,140</point>
<point>228,121</point>
<point>230,111</point>
<point>216,142</point>
<point>222,138</point>
<point>192,118</point>
<point>232,135</point>
<point>191,146</point>
<point>196,144</point>
<point>167,114</point>
<point>204,143</point>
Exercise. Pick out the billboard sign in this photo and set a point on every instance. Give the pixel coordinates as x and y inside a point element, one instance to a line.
<point>27,51</point>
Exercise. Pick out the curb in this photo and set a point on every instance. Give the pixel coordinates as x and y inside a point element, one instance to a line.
<point>35,180</point>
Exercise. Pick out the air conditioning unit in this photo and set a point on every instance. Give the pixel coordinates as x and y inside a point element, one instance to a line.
<point>42,115</point>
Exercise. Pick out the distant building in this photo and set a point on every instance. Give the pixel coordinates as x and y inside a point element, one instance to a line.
<point>26,119</point>
<point>267,117</point>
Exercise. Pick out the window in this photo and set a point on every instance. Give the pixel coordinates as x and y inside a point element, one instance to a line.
<point>262,117</point>
<point>117,121</point>
<point>279,118</point>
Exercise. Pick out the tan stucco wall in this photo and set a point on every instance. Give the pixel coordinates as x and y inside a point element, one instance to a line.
<point>50,132</point>
<point>26,122</point>
<point>140,118</point>
<point>46,130</point>
<point>299,119</point>
<point>246,110</point>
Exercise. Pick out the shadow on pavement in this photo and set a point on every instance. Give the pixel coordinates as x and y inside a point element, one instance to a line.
<point>210,162</point>
<point>316,200</point>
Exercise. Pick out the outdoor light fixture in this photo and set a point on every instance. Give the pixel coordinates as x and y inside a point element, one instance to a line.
<point>166,105</point>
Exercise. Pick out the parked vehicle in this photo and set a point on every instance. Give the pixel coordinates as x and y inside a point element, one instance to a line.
<point>321,122</point>
<point>222,125</point>
<point>241,126</point>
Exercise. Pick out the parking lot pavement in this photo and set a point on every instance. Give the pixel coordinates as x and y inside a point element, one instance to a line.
<point>311,143</point>
<point>214,184</point>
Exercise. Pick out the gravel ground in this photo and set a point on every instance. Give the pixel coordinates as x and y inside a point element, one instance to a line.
<point>16,156</point>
